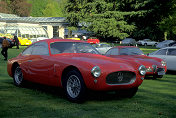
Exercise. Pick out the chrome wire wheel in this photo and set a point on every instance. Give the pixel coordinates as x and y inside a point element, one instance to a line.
<point>18,76</point>
<point>73,86</point>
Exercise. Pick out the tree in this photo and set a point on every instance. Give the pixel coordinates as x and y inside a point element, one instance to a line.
<point>4,7</point>
<point>152,12</point>
<point>52,9</point>
<point>20,7</point>
<point>168,24</point>
<point>37,7</point>
<point>99,16</point>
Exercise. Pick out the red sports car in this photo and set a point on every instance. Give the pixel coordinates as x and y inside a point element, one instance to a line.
<point>93,40</point>
<point>75,66</point>
<point>155,67</point>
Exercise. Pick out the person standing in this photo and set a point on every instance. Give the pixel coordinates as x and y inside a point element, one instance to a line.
<point>5,46</point>
<point>16,41</point>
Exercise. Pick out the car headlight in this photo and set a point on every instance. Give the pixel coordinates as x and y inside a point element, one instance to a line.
<point>163,63</point>
<point>96,71</point>
<point>142,70</point>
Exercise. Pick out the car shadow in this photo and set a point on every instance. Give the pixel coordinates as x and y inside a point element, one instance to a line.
<point>59,92</point>
<point>171,72</point>
<point>54,91</point>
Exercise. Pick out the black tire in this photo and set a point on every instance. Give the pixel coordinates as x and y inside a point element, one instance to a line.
<point>74,86</point>
<point>145,44</point>
<point>127,93</point>
<point>18,77</point>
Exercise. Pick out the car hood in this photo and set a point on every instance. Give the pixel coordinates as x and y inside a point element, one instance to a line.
<point>141,59</point>
<point>94,60</point>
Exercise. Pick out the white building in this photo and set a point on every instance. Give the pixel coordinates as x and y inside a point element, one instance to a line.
<point>32,27</point>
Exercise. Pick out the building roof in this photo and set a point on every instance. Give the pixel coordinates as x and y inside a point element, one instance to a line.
<point>4,15</point>
<point>15,18</point>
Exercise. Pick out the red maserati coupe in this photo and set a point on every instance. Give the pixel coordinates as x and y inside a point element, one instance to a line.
<point>76,66</point>
<point>155,67</point>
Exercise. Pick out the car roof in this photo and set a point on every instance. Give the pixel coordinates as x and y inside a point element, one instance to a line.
<point>169,47</point>
<point>60,40</point>
<point>125,47</point>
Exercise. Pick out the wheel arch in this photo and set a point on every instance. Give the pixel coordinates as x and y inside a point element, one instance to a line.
<point>14,65</point>
<point>66,70</point>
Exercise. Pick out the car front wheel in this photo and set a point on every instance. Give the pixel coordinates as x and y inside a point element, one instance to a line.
<point>74,86</point>
<point>18,76</point>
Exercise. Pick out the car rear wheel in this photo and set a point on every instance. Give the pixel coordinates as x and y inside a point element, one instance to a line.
<point>74,86</point>
<point>127,93</point>
<point>145,44</point>
<point>18,76</point>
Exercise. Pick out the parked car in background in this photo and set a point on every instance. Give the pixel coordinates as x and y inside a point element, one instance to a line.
<point>102,47</point>
<point>155,67</point>
<point>74,38</point>
<point>168,54</point>
<point>93,40</point>
<point>38,39</point>
<point>128,41</point>
<point>164,44</point>
<point>75,66</point>
<point>24,41</point>
<point>10,41</point>
<point>173,43</point>
<point>146,42</point>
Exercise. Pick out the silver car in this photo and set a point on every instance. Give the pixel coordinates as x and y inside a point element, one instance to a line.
<point>102,47</point>
<point>146,42</point>
<point>168,54</point>
<point>164,44</point>
<point>128,41</point>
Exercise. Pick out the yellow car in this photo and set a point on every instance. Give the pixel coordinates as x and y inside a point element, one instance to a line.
<point>74,38</point>
<point>24,41</point>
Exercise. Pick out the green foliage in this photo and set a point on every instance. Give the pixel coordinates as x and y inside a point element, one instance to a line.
<point>100,17</point>
<point>52,9</point>
<point>120,18</point>
<point>153,11</point>
<point>168,24</point>
<point>37,7</point>
<point>47,8</point>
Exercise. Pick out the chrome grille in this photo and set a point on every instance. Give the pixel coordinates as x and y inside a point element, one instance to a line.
<point>121,77</point>
<point>160,70</point>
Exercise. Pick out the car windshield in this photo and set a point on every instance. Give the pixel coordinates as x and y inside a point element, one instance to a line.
<point>131,51</point>
<point>168,41</point>
<point>104,45</point>
<point>72,47</point>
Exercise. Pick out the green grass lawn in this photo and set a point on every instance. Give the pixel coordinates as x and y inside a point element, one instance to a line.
<point>154,99</point>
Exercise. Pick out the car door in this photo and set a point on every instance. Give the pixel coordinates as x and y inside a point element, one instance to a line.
<point>162,53</point>
<point>40,66</point>
<point>171,59</point>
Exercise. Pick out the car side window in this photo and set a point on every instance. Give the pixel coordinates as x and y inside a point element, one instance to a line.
<point>113,51</point>
<point>161,52</point>
<point>40,48</point>
<point>171,52</point>
<point>28,50</point>
<point>109,52</point>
